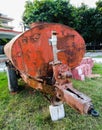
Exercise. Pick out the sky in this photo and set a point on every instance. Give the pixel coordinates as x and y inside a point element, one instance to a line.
<point>15,8</point>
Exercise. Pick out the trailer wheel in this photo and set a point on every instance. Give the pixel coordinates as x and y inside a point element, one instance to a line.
<point>94,113</point>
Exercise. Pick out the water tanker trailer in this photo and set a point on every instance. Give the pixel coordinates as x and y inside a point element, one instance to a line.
<point>44,56</point>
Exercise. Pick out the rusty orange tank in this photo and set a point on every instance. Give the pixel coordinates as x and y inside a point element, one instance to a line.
<point>44,56</point>
<point>31,52</point>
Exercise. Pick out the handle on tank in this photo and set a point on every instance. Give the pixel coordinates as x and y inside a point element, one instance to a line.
<point>53,43</point>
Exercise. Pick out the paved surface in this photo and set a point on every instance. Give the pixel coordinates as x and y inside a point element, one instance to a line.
<point>2,63</point>
<point>2,67</point>
<point>97,60</point>
<point>93,54</point>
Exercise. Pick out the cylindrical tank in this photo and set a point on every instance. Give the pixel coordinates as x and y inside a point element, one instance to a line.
<point>31,52</point>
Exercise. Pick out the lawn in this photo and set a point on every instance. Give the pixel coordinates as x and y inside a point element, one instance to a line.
<point>29,110</point>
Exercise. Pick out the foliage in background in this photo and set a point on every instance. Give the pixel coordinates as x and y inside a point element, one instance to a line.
<point>3,41</point>
<point>58,11</point>
<point>87,21</point>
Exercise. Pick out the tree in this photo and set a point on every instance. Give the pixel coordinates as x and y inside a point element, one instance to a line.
<point>99,5</point>
<point>98,21</point>
<point>59,11</point>
<point>90,23</point>
<point>87,21</point>
<point>85,18</point>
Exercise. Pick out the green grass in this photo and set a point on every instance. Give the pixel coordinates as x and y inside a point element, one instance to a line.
<point>26,111</point>
<point>97,69</point>
<point>97,56</point>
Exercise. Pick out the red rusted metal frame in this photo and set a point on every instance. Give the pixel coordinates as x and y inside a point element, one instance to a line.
<point>67,93</point>
<point>37,60</point>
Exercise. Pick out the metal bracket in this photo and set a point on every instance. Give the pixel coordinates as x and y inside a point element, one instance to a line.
<point>53,43</point>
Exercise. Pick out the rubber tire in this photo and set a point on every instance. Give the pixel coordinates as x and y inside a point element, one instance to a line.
<point>94,113</point>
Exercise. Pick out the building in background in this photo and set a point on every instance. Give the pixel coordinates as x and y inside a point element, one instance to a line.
<point>6,22</point>
<point>6,29</point>
<point>6,34</point>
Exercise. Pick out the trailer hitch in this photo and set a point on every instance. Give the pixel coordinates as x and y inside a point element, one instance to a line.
<point>64,88</point>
